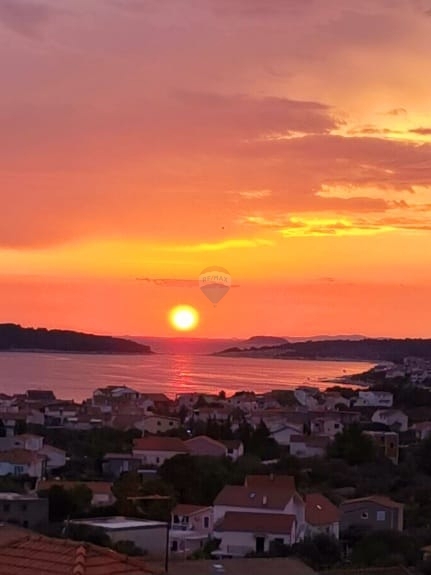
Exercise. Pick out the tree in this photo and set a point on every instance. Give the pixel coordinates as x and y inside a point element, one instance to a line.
<point>353,446</point>
<point>389,548</point>
<point>65,503</point>
<point>424,456</point>
<point>320,552</point>
<point>196,480</point>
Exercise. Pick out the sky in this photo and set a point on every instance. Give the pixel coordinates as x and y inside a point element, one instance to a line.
<point>287,141</point>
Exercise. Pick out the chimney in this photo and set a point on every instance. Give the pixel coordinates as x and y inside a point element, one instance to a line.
<point>271,477</point>
<point>264,500</point>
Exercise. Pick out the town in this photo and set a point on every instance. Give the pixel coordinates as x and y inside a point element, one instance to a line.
<point>299,475</point>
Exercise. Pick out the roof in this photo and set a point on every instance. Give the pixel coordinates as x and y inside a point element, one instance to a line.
<point>377,499</point>
<point>271,481</point>
<point>201,440</point>
<point>311,440</point>
<point>157,443</point>
<point>395,570</point>
<point>185,509</point>
<point>9,532</point>
<point>40,394</point>
<point>20,456</point>
<point>48,556</point>
<point>253,497</point>
<point>256,522</point>
<point>12,496</point>
<point>319,510</point>
<point>119,523</point>
<point>97,487</point>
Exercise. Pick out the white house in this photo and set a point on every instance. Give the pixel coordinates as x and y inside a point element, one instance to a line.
<point>242,533</point>
<point>374,399</point>
<point>22,462</point>
<point>24,441</point>
<point>259,499</point>
<point>282,435</point>
<point>191,525</point>
<point>154,451</point>
<point>393,418</point>
<point>422,430</point>
<point>321,516</point>
<point>326,425</point>
<point>306,397</point>
<point>309,445</point>
<point>234,447</point>
<point>55,457</point>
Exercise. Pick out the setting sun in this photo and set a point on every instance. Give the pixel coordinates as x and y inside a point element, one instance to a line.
<point>183,317</point>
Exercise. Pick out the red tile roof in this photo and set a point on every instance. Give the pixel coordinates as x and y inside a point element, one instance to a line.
<point>319,510</point>
<point>252,497</point>
<point>271,481</point>
<point>185,509</point>
<point>20,456</point>
<point>48,556</point>
<point>257,522</point>
<point>378,499</point>
<point>157,443</point>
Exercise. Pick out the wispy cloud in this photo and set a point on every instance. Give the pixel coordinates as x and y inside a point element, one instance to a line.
<point>218,246</point>
<point>174,282</point>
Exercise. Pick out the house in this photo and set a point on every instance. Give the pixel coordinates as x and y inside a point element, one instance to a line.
<point>246,401</point>
<point>149,536</point>
<point>387,443</point>
<point>114,464</point>
<point>55,457</point>
<point>321,516</point>
<point>266,499</point>
<point>161,402</point>
<point>374,399</point>
<point>282,435</point>
<point>309,445</point>
<point>22,462</point>
<point>376,512</point>
<point>114,394</point>
<point>334,399</point>
<point>245,566</point>
<point>191,526</point>
<point>306,397</point>
<point>154,451</point>
<point>243,532</point>
<point>235,448</point>
<point>101,490</point>
<point>28,554</point>
<point>204,445</point>
<point>422,430</point>
<point>39,396</point>
<point>23,441</point>
<point>29,511</point>
<point>326,425</point>
<point>393,418</point>
<point>154,424</point>
<point>56,413</point>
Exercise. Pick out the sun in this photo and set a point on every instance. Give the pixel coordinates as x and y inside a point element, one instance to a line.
<point>184,317</point>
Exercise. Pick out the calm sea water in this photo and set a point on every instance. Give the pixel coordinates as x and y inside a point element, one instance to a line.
<point>75,376</point>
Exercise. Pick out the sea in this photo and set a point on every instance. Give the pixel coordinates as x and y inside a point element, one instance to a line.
<point>171,370</point>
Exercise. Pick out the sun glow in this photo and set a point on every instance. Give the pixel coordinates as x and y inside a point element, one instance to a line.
<point>183,318</point>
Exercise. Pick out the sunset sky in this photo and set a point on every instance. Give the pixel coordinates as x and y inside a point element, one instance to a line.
<point>288,141</point>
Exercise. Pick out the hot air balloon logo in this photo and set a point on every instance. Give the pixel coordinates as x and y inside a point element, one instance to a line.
<point>214,283</point>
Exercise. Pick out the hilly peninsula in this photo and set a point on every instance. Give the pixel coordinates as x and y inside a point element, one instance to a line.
<point>16,338</point>
<point>376,350</point>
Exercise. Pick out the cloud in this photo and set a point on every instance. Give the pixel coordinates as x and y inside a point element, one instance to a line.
<point>174,282</point>
<point>421,131</point>
<point>26,18</point>
<point>224,245</point>
<point>253,194</point>
<point>396,112</point>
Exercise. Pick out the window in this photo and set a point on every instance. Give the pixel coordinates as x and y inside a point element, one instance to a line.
<point>171,423</point>
<point>336,425</point>
<point>364,515</point>
<point>279,540</point>
<point>381,515</point>
<point>206,522</point>
<point>157,459</point>
<point>18,470</point>
<point>176,519</point>
<point>159,423</point>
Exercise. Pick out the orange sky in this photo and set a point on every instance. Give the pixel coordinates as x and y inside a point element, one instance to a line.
<point>288,141</point>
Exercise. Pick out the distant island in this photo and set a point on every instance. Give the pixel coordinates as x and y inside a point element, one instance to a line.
<point>263,341</point>
<point>367,349</point>
<point>17,338</point>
